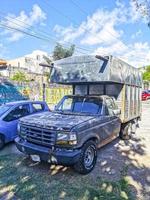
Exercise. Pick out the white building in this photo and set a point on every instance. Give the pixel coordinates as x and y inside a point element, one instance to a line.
<point>29,62</point>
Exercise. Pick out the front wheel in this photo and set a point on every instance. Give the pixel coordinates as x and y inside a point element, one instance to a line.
<point>2,142</point>
<point>87,159</point>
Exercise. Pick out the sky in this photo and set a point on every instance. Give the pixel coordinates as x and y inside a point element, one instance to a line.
<point>96,27</point>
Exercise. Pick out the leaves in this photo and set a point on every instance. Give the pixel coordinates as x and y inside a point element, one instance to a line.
<point>48,60</point>
<point>144,9</point>
<point>146,74</point>
<point>20,77</point>
<point>61,52</point>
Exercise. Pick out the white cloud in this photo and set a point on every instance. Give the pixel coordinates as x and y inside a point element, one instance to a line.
<point>103,29</point>
<point>70,33</point>
<point>117,48</point>
<point>96,29</point>
<point>106,35</point>
<point>23,21</point>
<point>138,54</point>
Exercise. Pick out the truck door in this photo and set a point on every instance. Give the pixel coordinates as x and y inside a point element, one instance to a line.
<point>11,120</point>
<point>114,125</point>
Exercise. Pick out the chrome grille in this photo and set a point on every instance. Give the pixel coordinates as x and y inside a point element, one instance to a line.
<point>38,135</point>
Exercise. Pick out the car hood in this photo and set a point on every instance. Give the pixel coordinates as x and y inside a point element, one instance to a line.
<point>56,121</point>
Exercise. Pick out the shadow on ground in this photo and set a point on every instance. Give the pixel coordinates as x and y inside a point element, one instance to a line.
<point>120,162</point>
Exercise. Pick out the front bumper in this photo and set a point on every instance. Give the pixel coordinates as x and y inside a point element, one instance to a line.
<point>56,156</point>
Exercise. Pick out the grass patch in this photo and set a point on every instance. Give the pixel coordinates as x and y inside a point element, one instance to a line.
<point>19,176</point>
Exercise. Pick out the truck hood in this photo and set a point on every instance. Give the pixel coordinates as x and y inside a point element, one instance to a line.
<point>55,121</point>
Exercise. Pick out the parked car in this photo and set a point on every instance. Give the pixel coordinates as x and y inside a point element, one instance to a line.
<point>10,113</point>
<point>145,95</point>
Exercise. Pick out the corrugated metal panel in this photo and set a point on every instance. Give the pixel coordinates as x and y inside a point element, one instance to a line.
<point>89,69</point>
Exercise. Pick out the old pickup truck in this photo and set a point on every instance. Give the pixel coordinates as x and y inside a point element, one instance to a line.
<point>105,104</point>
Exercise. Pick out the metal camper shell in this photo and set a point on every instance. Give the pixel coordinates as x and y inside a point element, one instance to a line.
<point>102,76</point>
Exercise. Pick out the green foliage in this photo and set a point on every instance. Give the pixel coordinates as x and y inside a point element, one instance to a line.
<point>143,8</point>
<point>47,59</point>
<point>61,52</point>
<point>148,68</point>
<point>20,77</point>
<point>146,74</point>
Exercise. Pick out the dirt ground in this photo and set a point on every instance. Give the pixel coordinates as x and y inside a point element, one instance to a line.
<point>129,158</point>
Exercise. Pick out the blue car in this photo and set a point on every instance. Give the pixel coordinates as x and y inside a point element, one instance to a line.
<point>10,114</point>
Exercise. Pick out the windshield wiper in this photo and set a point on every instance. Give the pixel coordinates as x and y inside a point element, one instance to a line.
<point>59,111</point>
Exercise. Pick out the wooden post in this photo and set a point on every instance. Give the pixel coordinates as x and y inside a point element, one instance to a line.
<point>44,92</point>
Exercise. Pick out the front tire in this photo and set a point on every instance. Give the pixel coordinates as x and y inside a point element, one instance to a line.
<point>2,142</point>
<point>88,158</point>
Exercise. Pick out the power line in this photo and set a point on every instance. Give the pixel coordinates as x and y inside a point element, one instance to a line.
<point>35,35</point>
<point>48,36</point>
<point>71,20</point>
<point>41,38</point>
<point>86,13</point>
<point>30,34</point>
<point>21,31</point>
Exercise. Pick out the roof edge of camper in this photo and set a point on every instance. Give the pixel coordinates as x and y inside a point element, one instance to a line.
<point>90,69</point>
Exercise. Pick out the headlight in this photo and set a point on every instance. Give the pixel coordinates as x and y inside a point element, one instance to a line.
<point>62,136</point>
<point>66,138</point>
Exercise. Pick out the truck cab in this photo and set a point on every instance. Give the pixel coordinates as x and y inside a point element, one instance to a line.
<point>72,133</point>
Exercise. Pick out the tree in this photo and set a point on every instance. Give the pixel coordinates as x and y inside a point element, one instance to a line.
<point>146,74</point>
<point>20,77</point>
<point>48,60</point>
<point>61,52</point>
<point>144,8</point>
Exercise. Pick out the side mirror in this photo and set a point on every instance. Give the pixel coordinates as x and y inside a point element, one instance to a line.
<point>117,112</point>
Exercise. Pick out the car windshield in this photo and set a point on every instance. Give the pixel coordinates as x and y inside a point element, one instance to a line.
<point>3,109</point>
<point>82,105</point>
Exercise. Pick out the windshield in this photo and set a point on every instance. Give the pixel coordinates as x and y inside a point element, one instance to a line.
<point>74,104</point>
<point>4,109</point>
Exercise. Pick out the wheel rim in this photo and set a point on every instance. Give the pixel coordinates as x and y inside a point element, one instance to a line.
<point>89,156</point>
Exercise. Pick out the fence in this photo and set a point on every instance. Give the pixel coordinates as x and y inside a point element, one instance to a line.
<point>50,93</point>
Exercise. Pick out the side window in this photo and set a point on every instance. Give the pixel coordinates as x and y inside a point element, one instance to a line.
<point>110,106</point>
<point>67,106</point>
<point>17,113</point>
<point>37,107</point>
